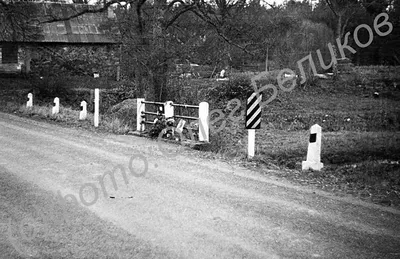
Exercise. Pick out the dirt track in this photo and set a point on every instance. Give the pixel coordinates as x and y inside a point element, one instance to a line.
<point>183,206</point>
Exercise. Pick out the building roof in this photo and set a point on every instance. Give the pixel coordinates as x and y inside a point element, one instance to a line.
<point>87,28</point>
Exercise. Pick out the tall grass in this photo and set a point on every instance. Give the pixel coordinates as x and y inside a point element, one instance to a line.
<point>70,116</point>
<point>115,125</point>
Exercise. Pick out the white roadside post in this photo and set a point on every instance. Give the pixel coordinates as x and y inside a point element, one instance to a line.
<point>96,107</point>
<point>251,143</point>
<point>83,112</point>
<point>168,110</point>
<point>314,150</point>
<point>253,121</point>
<point>140,107</point>
<point>56,107</point>
<point>29,103</point>
<point>204,127</point>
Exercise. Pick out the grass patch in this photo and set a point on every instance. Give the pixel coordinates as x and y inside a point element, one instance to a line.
<point>115,125</point>
<point>364,164</point>
<point>66,114</point>
<point>69,116</point>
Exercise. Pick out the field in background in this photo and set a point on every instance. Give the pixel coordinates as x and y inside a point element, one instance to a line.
<point>359,115</point>
<point>360,119</point>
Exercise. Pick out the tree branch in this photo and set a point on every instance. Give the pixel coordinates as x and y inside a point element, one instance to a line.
<point>177,15</point>
<point>87,9</point>
<point>202,15</point>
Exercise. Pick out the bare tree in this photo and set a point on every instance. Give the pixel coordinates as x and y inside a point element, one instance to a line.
<point>18,21</point>
<point>343,11</point>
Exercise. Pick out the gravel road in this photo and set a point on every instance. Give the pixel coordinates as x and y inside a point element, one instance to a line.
<point>170,204</point>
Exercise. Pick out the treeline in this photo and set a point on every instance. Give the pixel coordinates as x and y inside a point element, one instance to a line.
<point>156,35</point>
<point>241,34</point>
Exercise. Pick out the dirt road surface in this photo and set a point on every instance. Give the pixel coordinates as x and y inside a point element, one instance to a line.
<point>178,206</point>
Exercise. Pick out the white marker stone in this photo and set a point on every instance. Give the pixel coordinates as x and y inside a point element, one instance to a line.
<point>56,107</point>
<point>29,103</point>
<point>314,150</point>
<point>83,113</point>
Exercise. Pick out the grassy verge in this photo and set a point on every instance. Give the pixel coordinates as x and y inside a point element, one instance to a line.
<point>364,164</point>
<point>360,143</point>
<point>70,117</point>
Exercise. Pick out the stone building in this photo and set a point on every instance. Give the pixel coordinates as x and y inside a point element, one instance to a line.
<point>86,30</point>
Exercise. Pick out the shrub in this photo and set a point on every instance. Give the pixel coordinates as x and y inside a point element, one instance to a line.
<point>46,89</point>
<point>110,97</point>
<point>125,112</point>
<point>184,91</point>
<point>238,86</point>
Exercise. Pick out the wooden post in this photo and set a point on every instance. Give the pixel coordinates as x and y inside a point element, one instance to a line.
<point>27,60</point>
<point>253,121</point>
<point>204,127</point>
<point>251,143</point>
<point>96,106</point>
<point>168,110</point>
<point>140,107</point>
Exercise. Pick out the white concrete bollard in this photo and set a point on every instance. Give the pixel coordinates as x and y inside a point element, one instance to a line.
<point>140,107</point>
<point>83,112</point>
<point>96,106</point>
<point>56,107</point>
<point>204,127</point>
<point>251,143</point>
<point>168,110</point>
<point>29,103</point>
<point>314,150</point>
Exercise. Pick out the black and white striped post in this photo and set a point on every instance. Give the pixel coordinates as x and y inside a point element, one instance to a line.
<point>253,120</point>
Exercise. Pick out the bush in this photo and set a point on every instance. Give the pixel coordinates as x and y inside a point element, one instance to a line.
<point>46,89</point>
<point>125,112</point>
<point>110,97</point>
<point>238,86</point>
<point>183,91</point>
